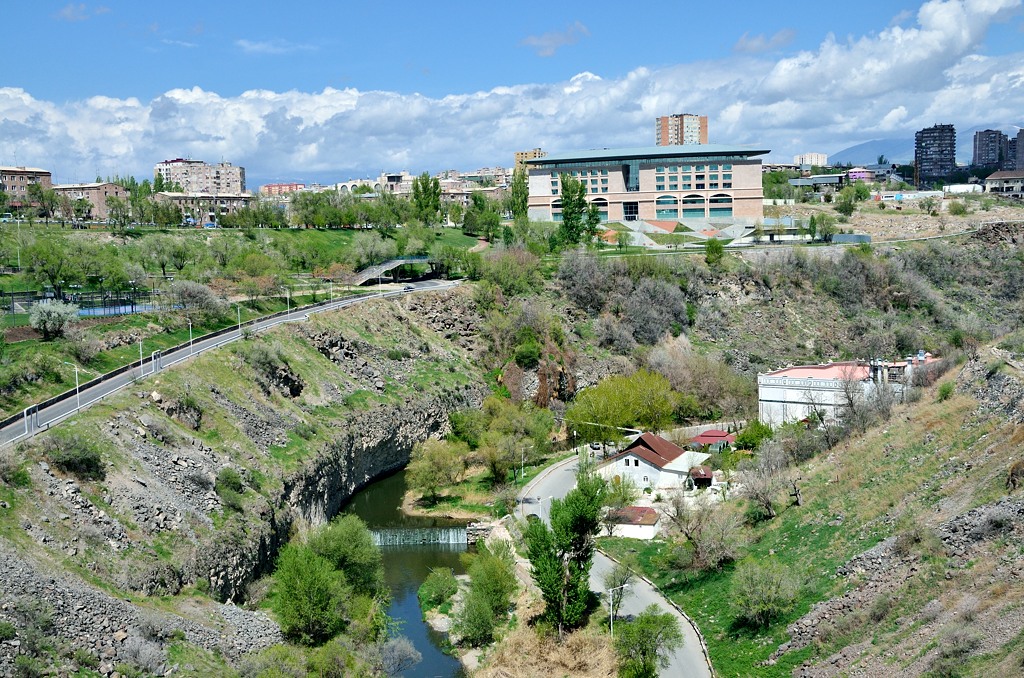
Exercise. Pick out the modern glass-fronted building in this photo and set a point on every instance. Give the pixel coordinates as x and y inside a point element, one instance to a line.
<point>657,183</point>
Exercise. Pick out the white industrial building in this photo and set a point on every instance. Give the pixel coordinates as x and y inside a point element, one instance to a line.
<point>797,393</point>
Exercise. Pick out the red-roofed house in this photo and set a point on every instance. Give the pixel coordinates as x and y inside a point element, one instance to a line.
<point>651,461</point>
<point>635,522</point>
<point>714,438</point>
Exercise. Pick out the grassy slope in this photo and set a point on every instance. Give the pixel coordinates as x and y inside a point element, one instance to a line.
<point>911,472</point>
<point>319,407</point>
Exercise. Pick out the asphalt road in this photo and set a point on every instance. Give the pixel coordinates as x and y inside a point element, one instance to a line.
<point>688,661</point>
<point>45,418</point>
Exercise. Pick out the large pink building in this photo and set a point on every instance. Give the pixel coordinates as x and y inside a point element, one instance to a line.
<point>692,184</point>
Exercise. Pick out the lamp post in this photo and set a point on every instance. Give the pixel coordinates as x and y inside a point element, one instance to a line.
<point>238,307</point>
<point>611,611</point>
<point>189,336</point>
<point>332,290</point>
<point>78,393</point>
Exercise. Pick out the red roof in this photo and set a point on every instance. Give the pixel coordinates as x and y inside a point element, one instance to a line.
<point>713,436</point>
<point>633,515</point>
<point>701,473</point>
<point>653,449</point>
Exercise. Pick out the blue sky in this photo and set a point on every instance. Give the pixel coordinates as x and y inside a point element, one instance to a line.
<point>326,91</point>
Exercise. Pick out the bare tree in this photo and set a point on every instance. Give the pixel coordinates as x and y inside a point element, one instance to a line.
<point>617,583</point>
<point>712,530</point>
<point>764,476</point>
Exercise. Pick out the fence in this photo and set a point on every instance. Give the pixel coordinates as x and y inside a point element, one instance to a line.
<point>17,305</point>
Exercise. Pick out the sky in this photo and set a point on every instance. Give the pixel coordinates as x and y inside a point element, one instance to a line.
<point>326,91</point>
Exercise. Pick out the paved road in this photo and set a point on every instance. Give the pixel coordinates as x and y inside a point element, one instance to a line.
<point>555,483</point>
<point>45,418</point>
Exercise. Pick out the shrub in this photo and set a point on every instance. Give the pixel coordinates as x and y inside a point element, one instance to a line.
<point>475,623</point>
<point>528,354</point>
<point>946,391</point>
<point>439,586</point>
<point>11,471</point>
<point>75,454</point>
<point>762,592</point>
<point>7,631</point>
<point>83,345</point>
<point>52,318</point>
<point>28,667</point>
<point>196,299</point>
<point>85,658</point>
<point>310,596</point>
<point>229,488</point>
<point>348,546</point>
<point>397,354</point>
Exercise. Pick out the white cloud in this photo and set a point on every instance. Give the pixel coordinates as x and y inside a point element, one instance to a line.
<point>548,43</point>
<point>758,44</point>
<point>275,46</point>
<point>825,100</point>
<point>72,12</point>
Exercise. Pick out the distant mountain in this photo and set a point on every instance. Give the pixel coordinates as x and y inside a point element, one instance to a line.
<point>901,151</point>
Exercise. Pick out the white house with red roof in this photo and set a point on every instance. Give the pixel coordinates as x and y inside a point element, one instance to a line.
<point>651,461</point>
<point>800,392</point>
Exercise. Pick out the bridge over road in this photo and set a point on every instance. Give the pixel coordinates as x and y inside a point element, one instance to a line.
<point>380,269</point>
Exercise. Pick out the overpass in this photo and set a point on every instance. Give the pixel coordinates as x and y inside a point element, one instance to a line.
<point>379,270</point>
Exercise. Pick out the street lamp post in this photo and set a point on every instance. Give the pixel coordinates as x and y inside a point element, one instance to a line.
<point>189,336</point>
<point>611,611</point>
<point>78,392</point>
<point>238,307</point>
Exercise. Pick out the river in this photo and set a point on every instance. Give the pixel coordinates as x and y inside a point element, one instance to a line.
<point>406,565</point>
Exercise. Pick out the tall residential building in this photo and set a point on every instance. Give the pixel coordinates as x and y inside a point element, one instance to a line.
<point>935,151</point>
<point>1020,149</point>
<point>196,176</point>
<point>990,148</point>
<point>814,159</point>
<point>523,156</point>
<point>681,129</point>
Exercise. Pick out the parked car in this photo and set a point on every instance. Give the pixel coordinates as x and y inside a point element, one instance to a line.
<point>408,288</point>
<point>6,217</point>
<point>595,446</point>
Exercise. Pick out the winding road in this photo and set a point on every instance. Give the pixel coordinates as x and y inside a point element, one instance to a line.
<point>39,418</point>
<point>554,483</point>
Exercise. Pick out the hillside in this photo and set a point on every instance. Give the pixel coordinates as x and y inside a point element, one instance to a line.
<point>152,536</point>
<point>123,520</point>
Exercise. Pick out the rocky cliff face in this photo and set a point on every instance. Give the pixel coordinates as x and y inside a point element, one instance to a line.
<point>366,447</point>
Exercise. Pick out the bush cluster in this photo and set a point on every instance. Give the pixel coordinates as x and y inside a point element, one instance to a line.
<point>73,453</point>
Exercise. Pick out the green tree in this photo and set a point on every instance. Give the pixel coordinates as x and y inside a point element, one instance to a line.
<point>347,545</point>
<point>574,207</point>
<point>519,195</point>
<point>309,596</point>
<point>52,262</point>
<point>561,555</point>
<point>426,197</point>
<point>435,464</point>
<point>120,213</point>
<point>646,643</point>
<point>714,251</point>
<point>762,592</point>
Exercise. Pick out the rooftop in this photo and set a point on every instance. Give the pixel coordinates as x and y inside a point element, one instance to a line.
<point>713,436</point>
<point>634,515</point>
<point>646,152</point>
<point>854,370</point>
<point>652,449</point>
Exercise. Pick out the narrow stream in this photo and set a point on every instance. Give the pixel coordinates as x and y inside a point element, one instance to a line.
<point>411,546</point>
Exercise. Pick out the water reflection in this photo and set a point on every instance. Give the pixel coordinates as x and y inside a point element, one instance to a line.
<point>405,568</point>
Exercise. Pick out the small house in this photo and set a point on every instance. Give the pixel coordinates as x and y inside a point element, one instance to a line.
<point>701,477</point>
<point>650,461</point>
<point>635,522</point>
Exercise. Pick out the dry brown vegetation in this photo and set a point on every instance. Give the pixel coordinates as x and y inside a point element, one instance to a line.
<point>526,654</point>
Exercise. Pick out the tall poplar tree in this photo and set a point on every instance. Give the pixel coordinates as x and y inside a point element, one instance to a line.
<point>561,555</point>
<point>574,207</point>
<point>519,196</point>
